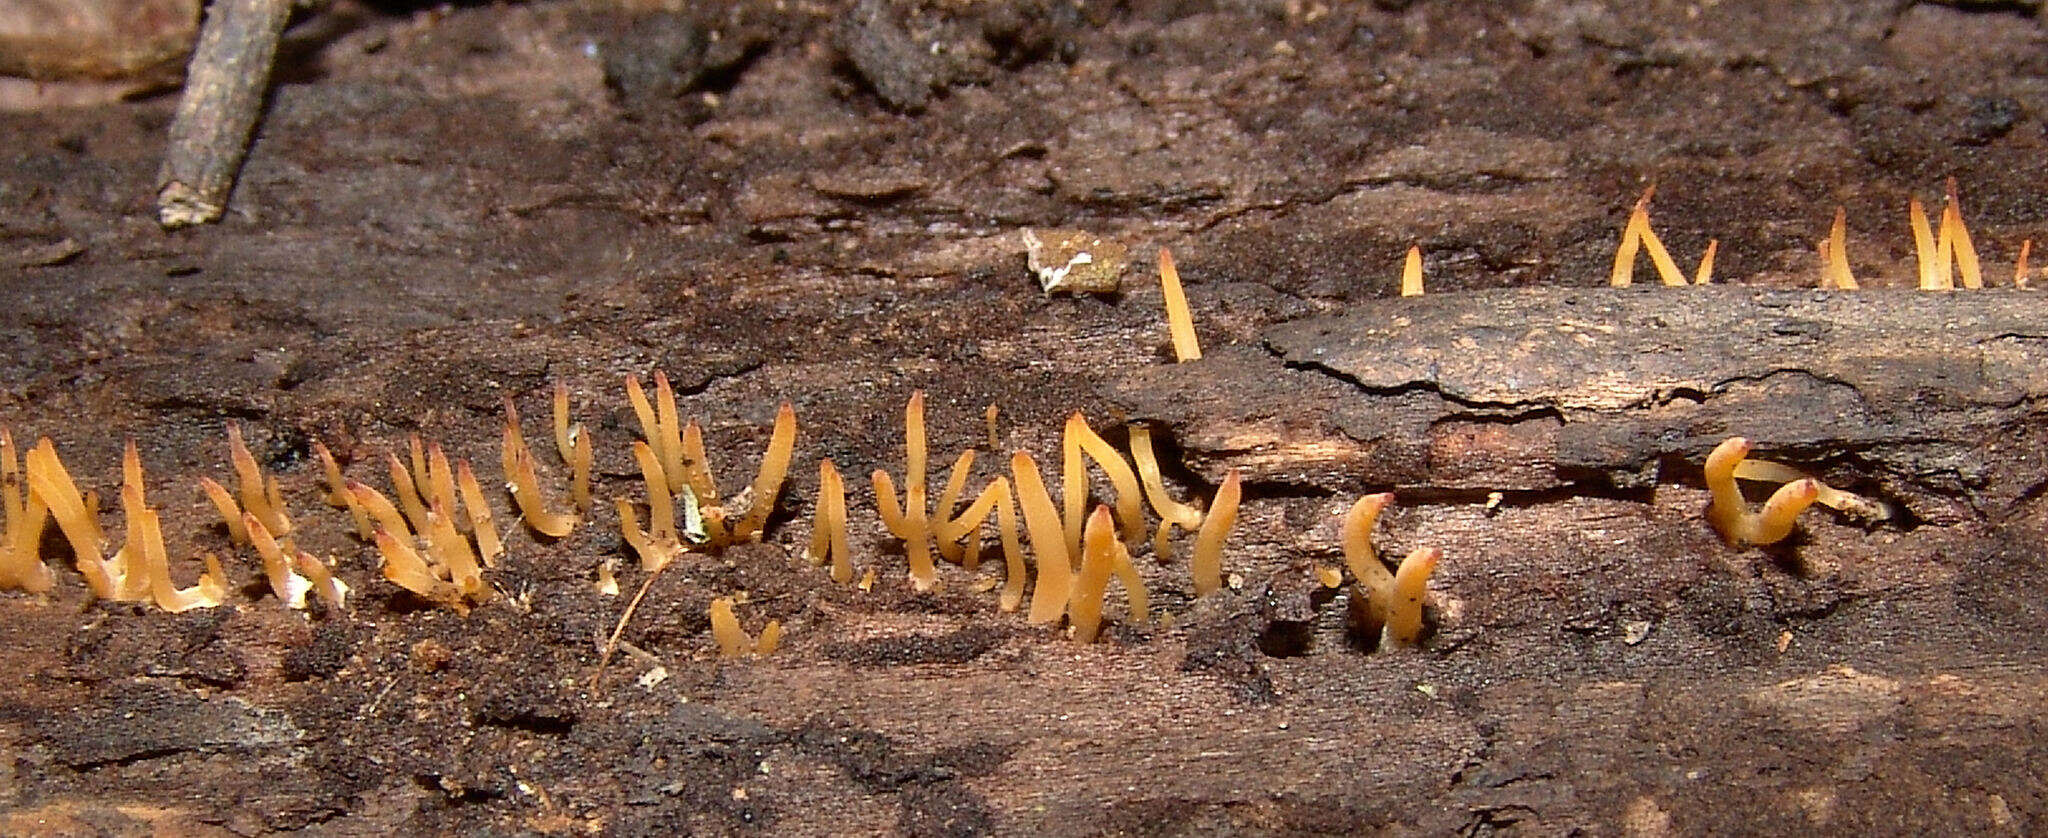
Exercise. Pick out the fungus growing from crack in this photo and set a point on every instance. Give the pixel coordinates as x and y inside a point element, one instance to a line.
<point>1048,542</point>
<point>828,524</point>
<point>1171,513</point>
<point>1180,324</point>
<point>1360,557</point>
<point>1207,564</point>
<point>1404,600</point>
<point>524,483</point>
<point>75,514</point>
<point>21,560</point>
<point>733,641</point>
<point>1730,514</point>
<point>1411,273</point>
<point>1079,439</point>
<point>1853,505</point>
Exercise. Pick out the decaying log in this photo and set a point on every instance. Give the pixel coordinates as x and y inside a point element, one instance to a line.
<point>1907,394</point>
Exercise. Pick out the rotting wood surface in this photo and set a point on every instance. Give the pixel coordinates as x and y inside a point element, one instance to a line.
<point>1529,390</point>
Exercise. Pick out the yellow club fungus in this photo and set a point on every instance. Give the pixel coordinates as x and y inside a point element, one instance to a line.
<point>1179,323</point>
<point>1171,513</point>
<point>524,482</point>
<point>404,567</point>
<point>489,546</point>
<point>1411,273</point>
<point>1954,241</point>
<point>406,487</point>
<point>326,585</point>
<point>947,502</point>
<point>1834,255</point>
<point>452,555</point>
<point>230,510</point>
<point>1853,505</point>
<point>1624,272</point>
<point>733,641</point>
<point>660,543</point>
<point>1207,564</point>
<point>1705,274</point>
<point>1638,234</point>
<point>1098,557</point>
<point>573,444</point>
<point>1404,602</point>
<point>285,582</point>
<point>768,481</point>
<point>963,533</point>
<point>1730,514</point>
<point>1048,543</point>
<point>258,491</point>
<point>142,567</point>
<point>377,513</point>
<point>2019,267</point>
<point>1012,594</point>
<point>828,525</point>
<point>1080,439</point>
<point>337,494</point>
<point>910,521</point>
<point>50,485</point>
<point>1933,266</point>
<point>21,560</point>
<point>1362,559</point>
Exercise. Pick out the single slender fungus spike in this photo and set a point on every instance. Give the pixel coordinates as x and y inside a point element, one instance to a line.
<point>988,418</point>
<point>337,489</point>
<point>212,587</point>
<point>1180,324</point>
<point>1845,502</point>
<point>230,512</point>
<point>488,545</point>
<point>1781,512</point>
<point>1181,514</point>
<point>650,426</point>
<point>1359,555</point>
<point>287,584</point>
<point>674,452</point>
<point>407,489</point>
<point>1410,587</point>
<point>379,509</point>
<point>1624,271</point>
<point>524,484</point>
<point>417,453</point>
<point>949,499</point>
<point>886,505</point>
<point>1207,564</point>
<point>565,445</point>
<point>1827,274</point>
<point>1084,611</point>
<point>1411,273</point>
<point>774,467</point>
<point>1073,490</point>
<point>733,641</point>
<point>258,495</point>
<point>1838,252</point>
<point>1134,586</point>
<point>1933,274</point>
<point>1048,544</point>
<point>2019,268</point>
<point>964,532</point>
<point>1967,268</point>
<point>330,589</point>
<point>1130,500</point>
<point>828,530</point>
<point>1660,258</point>
<point>770,639</point>
<point>1705,276</point>
<point>21,560</point>
<point>1012,594</point>
<point>661,544</point>
<point>580,462</point>
<point>1726,510</point>
<point>52,485</point>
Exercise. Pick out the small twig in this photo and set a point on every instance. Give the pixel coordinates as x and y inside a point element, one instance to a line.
<point>224,88</point>
<point>612,645</point>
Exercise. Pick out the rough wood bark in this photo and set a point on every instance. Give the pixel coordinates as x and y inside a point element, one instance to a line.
<point>224,89</point>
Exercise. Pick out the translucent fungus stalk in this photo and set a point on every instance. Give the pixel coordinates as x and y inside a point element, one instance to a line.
<point>573,444</point>
<point>1172,513</point>
<point>259,493</point>
<point>49,483</point>
<point>1624,272</point>
<point>1705,274</point>
<point>1411,273</point>
<point>1180,324</point>
<point>1660,258</point>
<point>1130,500</point>
<point>1729,513</point>
<point>286,583</point>
<point>337,494</point>
<point>21,560</point>
<point>733,641</point>
<point>1098,558</point>
<point>948,500</point>
<point>1848,503</point>
<point>1835,264</point>
<point>1362,559</point>
<point>1409,588</point>
<point>2019,267</point>
<point>696,467</point>
<point>407,489</point>
<point>828,524</point>
<point>1048,543</point>
<point>1933,268</point>
<point>1955,240</point>
<point>768,482</point>
<point>660,544</point>
<point>1012,595</point>
<point>910,521</point>
<point>451,551</point>
<point>148,573</point>
<point>404,567</point>
<point>441,483</point>
<point>378,512</point>
<point>488,544</point>
<point>329,588</point>
<point>963,533</point>
<point>1207,564</point>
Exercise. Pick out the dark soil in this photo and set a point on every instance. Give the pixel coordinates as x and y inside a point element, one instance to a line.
<point>822,202</point>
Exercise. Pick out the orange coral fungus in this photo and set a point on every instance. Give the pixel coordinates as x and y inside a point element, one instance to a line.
<point>1180,324</point>
<point>1411,273</point>
<point>1404,600</point>
<point>733,641</point>
<point>911,520</point>
<point>524,482</point>
<point>258,491</point>
<point>828,525</point>
<point>1730,514</point>
<point>50,485</point>
<point>1172,513</point>
<point>1048,543</point>
<point>21,560</point>
<point>1081,439</point>
<point>1207,565</point>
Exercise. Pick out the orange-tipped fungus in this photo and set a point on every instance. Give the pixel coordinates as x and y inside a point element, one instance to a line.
<point>1048,543</point>
<point>1172,513</point>
<point>524,483</point>
<point>378,511</point>
<point>258,491</point>
<point>1954,239</point>
<point>828,525</point>
<point>1705,274</point>
<point>1835,271</point>
<point>488,545</point>
<point>768,482</point>
<point>1411,273</point>
<point>1624,272</point>
<point>733,641</point>
<point>911,520</point>
<point>659,544</point>
<point>1207,564</point>
<point>286,583</point>
<point>337,494</point>
<point>1098,558</point>
<point>1729,513</point>
<point>1130,499</point>
<point>21,560</point>
<point>51,485</point>
<point>1179,323</point>
<point>574,446</point>
<point>405,485</point>
<point>1933,264</point>
<point>404,567</point>
<point>230,511</point>
<point>1404,601</point>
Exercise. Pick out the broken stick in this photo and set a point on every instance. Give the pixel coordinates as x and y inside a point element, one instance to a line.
<point>224,88</point>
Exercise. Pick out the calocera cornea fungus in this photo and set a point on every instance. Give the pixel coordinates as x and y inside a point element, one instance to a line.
<point>573,444</point>
<point>659,544</point>
<point>1048,542</point>
<point>1730,514</point>
<point>1361,558</point>
<point>258,491</point>
<point>828,524</point>
<point>21,559</point>
<point>733,641</point>
<point>678,450</point>
<point>1103,556</point>
<point>1180,324</point>
<point>910,520</point>
<point>285,581</point>
<point>523,481</point>
<point>1637,235</point>
<point>1206,566</point>
<point>1079,439</point>
<point>76,515</point>
<point>1834,255</point>
<point>337,494</point>
<point>1411,273</point>
<point>1171,513</point>
<point>1936,253</point>
<point>143,563</point>
<point>1404,600</point>
<point>1386,606</point>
